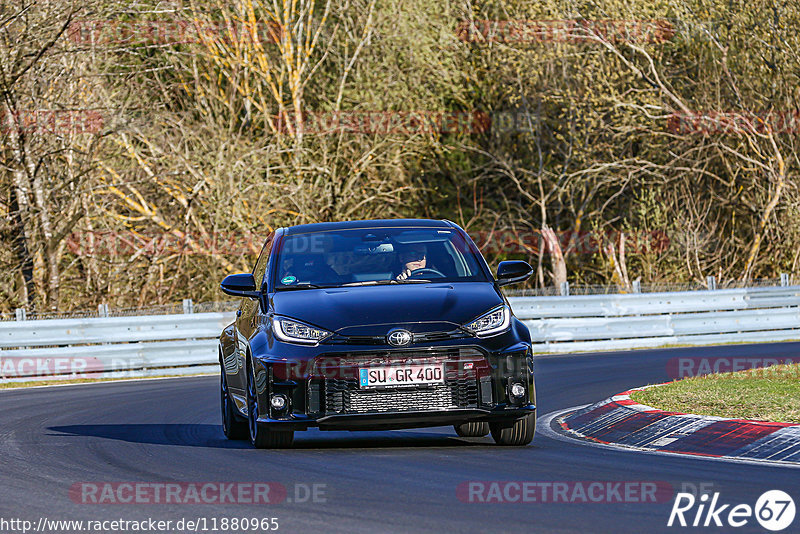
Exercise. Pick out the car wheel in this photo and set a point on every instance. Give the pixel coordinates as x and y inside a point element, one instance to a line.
<point>519,432</point>
<point>233,425</point>
<point>472,430</point>
<point>261,437</point>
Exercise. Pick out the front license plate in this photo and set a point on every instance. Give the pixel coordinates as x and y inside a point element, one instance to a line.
<point>409,375</point>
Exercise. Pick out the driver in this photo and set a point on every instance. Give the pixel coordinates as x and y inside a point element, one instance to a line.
<point>412,257</point>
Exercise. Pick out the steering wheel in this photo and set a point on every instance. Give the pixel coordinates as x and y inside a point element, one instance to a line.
<point>426,270</point>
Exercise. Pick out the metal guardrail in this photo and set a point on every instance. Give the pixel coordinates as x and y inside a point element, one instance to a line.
<point>711,283</point>
<point>145,345</point>
<point>110,347</point>
<point>639,320</point>
<point>57,332</point>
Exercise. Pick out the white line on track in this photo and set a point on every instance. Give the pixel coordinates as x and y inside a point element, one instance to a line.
<point>544,423</point>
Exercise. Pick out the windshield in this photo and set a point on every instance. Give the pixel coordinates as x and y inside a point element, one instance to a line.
<point>370,256</point>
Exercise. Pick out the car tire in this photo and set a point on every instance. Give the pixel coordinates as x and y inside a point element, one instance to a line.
<point>261,436</point>
<point>472,429</point>
<point>517,433</point>
<point>234,426</point>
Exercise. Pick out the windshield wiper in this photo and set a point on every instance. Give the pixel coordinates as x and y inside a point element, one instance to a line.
<point>387,282</point>
<point>304,286</point>
<point>370,283</point>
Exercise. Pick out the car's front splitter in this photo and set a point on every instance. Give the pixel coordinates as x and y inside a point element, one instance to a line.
<point>399,420</point>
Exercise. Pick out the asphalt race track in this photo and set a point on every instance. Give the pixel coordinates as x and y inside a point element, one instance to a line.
<point>400,481</point>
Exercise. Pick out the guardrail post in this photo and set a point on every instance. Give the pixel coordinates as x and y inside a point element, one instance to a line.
<point>711,282</point>
<point>102,311</point>
<point>564,289</point>
<point>19,313</point>
<point>188,307</point>
<point>784,279</point>
<point>637,286</point>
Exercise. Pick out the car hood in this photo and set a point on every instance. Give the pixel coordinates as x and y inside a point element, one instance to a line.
<point>338,308</point>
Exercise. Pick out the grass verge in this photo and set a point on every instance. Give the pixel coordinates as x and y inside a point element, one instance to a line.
<point>61,382</point>
<point>768,394</point>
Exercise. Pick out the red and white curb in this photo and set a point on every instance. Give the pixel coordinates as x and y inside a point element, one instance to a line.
<point>620,420</point>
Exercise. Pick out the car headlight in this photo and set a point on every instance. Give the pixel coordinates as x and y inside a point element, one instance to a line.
<point>296,332</point>
<point>492,322</point>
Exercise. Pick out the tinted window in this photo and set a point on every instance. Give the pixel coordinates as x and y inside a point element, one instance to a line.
<point>364,256</point>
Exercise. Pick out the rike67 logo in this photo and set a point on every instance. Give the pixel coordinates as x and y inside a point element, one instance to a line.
<point>774,510</point>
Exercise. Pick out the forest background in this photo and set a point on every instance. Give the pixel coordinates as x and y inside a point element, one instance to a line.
<point>149,147</point>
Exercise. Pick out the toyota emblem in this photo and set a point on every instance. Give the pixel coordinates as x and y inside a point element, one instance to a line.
<point>399,337</point>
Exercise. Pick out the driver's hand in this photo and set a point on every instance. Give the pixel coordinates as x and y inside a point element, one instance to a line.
<point>405,274</point>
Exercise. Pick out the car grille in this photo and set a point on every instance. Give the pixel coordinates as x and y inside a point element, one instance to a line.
<point>435,398</point>
<point>341,394</point>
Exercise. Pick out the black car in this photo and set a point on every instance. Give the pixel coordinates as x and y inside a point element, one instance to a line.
<point>372,325</point>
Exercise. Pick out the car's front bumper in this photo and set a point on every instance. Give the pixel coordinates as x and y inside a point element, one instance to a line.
<point>310,406</point>
<point>321,387</point>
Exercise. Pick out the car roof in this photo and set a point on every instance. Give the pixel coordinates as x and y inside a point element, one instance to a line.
<point>373,223</point>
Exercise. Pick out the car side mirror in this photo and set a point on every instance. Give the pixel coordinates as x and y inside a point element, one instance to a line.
<point>240,285</point>
<point>511,272</point>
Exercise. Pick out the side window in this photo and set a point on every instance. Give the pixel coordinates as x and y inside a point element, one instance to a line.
<point>263,261</point>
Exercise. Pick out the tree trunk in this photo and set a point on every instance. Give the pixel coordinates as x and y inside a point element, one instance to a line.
<point>556,256</point>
